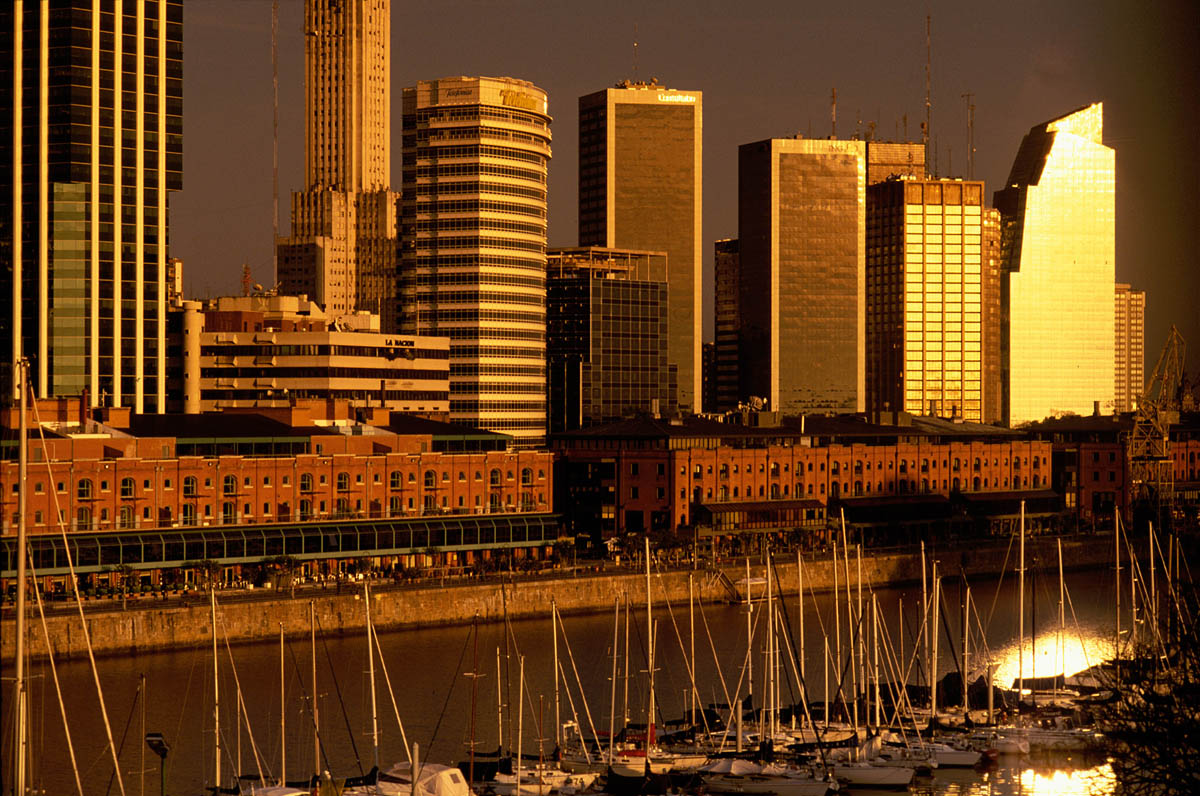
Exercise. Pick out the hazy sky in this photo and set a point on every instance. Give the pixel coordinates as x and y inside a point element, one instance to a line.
<point>766,69</point>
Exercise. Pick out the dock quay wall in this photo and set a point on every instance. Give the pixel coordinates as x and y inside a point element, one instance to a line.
<point>152,625</point>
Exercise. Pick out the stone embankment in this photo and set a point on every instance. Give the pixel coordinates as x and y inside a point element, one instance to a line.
<point>151,625</point>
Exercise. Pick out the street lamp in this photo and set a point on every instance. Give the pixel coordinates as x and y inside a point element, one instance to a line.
<point>159,746</point>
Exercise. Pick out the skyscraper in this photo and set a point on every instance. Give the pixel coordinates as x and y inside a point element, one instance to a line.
<point>802,240</point>
<point>91,142</point>
<point>993,319</point>
<point>727,276</point>
<point>606,346</point>
<point>1057,247</point>
<point>894,159</point>
<point>640,188</point>
<point>342,250</point>
<point>473,262</point>
<point>1130,348</point>
<point>924,306</point>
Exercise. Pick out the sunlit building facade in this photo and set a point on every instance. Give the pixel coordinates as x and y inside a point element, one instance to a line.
<point>802,255</point>
<point>1130,349</point>
<point>640,177</point>
<point>473,243</point>
<point>924,300</point>
<point>1058,250</point>
<point>91,145</point>
<point>342,250</point>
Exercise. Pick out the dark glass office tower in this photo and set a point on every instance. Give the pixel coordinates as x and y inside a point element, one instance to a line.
<point>91,142</point>
<point>802,252</point>
<point>606,336</point>
<point>639,188</point>
<point>727,275</point>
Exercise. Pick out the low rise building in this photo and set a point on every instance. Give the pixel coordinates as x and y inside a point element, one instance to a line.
<point>309,481</point>
<point>271,351</point>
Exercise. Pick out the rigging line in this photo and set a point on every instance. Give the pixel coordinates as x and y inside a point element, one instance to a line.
<point>62,707</point>
<point>304,692</point>
<point>337,688</point>
<point>790,639</point>
<point>392,694</point>
<point>87,637</point>
<point>445,705</point>
<point>716,662</point>
<point>186,693</point>
<point>999,583</point>
<point>571,656</point>
<point>242,705</point>
<point>678,637</point>
<point>124,734</point>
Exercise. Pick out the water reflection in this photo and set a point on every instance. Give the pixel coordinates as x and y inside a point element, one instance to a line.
<point>434,699</point>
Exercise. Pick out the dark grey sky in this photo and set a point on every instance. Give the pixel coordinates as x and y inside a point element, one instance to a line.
<point>766,69</point>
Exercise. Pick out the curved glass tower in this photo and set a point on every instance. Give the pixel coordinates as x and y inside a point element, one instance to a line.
<point>1058,250</point>
<point>473,243</point>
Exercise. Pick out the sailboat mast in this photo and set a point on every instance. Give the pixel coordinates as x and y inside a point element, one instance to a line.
<point>371,675</point>
<point>212,594</point>
<point>22,729</point>
<point>1117,561</point>
<point>554,631</point>
<point>612,704</point>
<point>1062,619</point>
<point>692,644</point>
<point>933,661</point>
<point>800,605</point>
<point>966,667</point>
<point>769,716</point>
<point>625,707</point>
<point>924,608</point>
<point>650,646</point>
<point>1021,612</point>
<point>312,637</point>
<point>282,713</point>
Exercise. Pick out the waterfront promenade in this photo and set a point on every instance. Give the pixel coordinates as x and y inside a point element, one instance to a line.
<point>151,624</point>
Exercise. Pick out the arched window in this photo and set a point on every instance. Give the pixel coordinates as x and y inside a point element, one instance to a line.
<point>526,476</point>
<point>188,515</point>
<point>494,502</point>
<point>342,508</point>
<point>306,485</point>
<point>494,478</point>
<point>189,486</point>
<point>125,517</point>
<point>228,512</point>
<point>343,482</point>
<point>395,480</point>
<point>306,508</point>
<point>774,491</point>
<point>126,487</point>
<point>394,506</point>
<point>428,504</point>
<point>527,501</point>
<point>229,486</point>
<point>975,483</point>
<point>83,490</point>
<point>430,479</point>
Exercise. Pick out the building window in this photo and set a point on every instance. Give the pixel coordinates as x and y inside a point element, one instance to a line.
<point>633,468</point>
<point>228,512</point>
<point>343,482</point>
<point>229,485</point>
<point>526,477</point>
<point>189,486</point>
<point>127,486</point>
<point>394,479</point>
<point>494,478</point>
<point>306,482</point>
<point>188,515</point>
<point>430,479</point>
<point>125,517</point>
<point>83,490</point>
<point>633,493</point>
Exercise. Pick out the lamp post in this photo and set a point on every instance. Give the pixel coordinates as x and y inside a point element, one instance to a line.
<point>159,746</point>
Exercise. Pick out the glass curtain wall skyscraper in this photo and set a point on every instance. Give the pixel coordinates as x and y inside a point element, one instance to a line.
<point>924,298</point>
<point>91,142</point>
<point>640,176</point>
<point>802,255</point>
<point>473,243</point>
<point>1058,250</point>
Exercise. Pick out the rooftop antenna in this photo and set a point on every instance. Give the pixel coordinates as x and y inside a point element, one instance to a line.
<point>904,121</point>
<point>275,140</point>
<point>970,97</point>
<point>928,129</point>
<point>635,52</point>
<point>833,114</point>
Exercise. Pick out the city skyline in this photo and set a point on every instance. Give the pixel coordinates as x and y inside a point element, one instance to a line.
<point>1136,61</point>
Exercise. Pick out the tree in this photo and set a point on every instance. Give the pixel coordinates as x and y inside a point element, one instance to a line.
<point>1153,722</point>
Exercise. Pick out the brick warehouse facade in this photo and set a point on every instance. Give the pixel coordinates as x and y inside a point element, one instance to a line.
<point>700,475</point>
<point>295,467</point>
